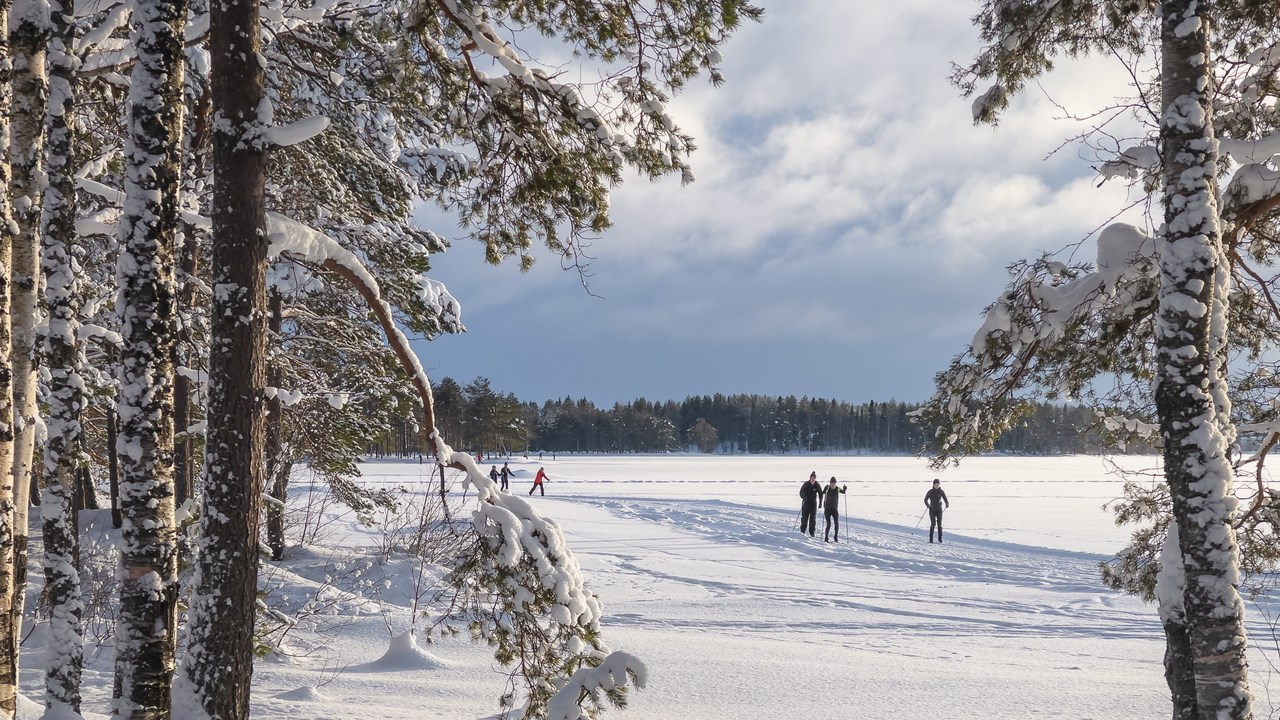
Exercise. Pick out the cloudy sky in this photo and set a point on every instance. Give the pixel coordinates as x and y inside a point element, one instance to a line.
<point>847,226</point>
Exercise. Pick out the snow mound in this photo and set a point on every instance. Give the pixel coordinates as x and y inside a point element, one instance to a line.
<point>402,654</point>
<point>29,709</point>
<point>302,694</point>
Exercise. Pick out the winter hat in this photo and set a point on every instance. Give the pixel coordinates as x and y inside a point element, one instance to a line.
<point>833,479</point>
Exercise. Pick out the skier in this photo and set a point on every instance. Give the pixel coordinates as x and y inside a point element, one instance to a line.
<point>506,474</point>
<point>493,473</point>
<point>537,482</point>
<point>831,509</point>
<point>934,500</point>
<point>809,493</point>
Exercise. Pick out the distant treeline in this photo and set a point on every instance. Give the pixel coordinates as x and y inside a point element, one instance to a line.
<point>478,418</point>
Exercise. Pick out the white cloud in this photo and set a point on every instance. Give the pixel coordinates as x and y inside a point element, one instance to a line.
<point>843,200</point>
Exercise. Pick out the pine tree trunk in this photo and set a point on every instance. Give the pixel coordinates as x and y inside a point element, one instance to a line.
<point>277,468</point>
<point>1179,672</point>
<point>218,670</point>
<point>29,36</point>
<point>8,639</point>
<point>146,632</point>
<point>182,393</point>
<point>1196,448</point>
<point>183,396</point>
<point>63,456</point>
<point>86,497</point>
<point>195,132</point>
<point>113,467</point>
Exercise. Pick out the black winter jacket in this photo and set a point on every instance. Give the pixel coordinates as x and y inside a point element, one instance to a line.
<point>809,492</point>
<point>831,498</point>
<point>934,499</point>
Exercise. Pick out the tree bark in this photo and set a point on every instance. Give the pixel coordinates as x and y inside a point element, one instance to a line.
<point>1179,671</point>
<point>185,398</point>
<point>63,453</point>
<point>113,469</point>
<point>29,37</point>
<point>277,468</point>
<point>1196,463</point>
<point>146,632</point>
<point>8,638</point>
<point>218,669</point>
<point>183,386</point>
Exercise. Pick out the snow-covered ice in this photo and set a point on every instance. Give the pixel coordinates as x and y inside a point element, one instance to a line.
<point>704,575</point>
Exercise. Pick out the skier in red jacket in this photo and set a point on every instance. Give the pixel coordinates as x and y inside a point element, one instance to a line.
<point>537,482</point>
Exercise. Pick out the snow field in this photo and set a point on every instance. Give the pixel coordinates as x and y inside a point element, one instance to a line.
<point>704,575</point>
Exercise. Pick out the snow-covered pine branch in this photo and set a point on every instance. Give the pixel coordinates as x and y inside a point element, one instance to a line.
<point>518,555</point>
<point>1050,333</point>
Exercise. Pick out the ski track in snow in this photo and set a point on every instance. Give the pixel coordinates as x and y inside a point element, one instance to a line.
<point>950,588</point>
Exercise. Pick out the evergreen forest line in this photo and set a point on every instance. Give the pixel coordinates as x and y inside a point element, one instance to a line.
<point>486,420</point>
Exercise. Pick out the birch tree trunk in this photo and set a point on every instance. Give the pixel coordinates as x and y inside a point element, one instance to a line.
<point>63,454</point>
<point>29,37</point>
<point>1196,445</point>
<point>146,632</point>
<point>8,638</point>
<point>219,666</point>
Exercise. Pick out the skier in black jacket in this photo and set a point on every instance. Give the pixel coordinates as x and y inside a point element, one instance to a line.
<point>505,473</point>
<point>809,493</point>
<point>831,509</point>
<point>934,500</point>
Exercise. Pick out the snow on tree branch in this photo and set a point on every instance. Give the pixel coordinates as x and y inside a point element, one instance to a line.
<point>615,672</point>
<point>1048,332</point>
<point>296,132</point>
<point>520,560</point>
<point>1258,150</point>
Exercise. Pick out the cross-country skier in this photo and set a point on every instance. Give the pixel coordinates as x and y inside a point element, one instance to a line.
<point>493,474</point>
<point>537,482</point>
<point>506,474</point>
<point>934,500</point>
<point>831,508</point>
<point>809,493</point>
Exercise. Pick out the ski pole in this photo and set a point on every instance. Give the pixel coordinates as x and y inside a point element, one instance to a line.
<point>846,515</point>
<point>921,519</point>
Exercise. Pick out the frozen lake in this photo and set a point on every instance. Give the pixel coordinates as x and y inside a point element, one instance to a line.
<point>1054,502</point>
<point>703,575</point>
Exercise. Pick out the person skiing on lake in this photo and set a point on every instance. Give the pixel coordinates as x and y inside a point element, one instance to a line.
<point>831,508</point>
<point>809,493</point>
<point>506,474</point>
<point>537,482</point>
<point>934,500</point>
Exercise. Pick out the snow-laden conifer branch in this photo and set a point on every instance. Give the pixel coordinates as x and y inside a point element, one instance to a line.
<point>522,591</point>
<point>1042,335</point>
<point>518,555</point>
